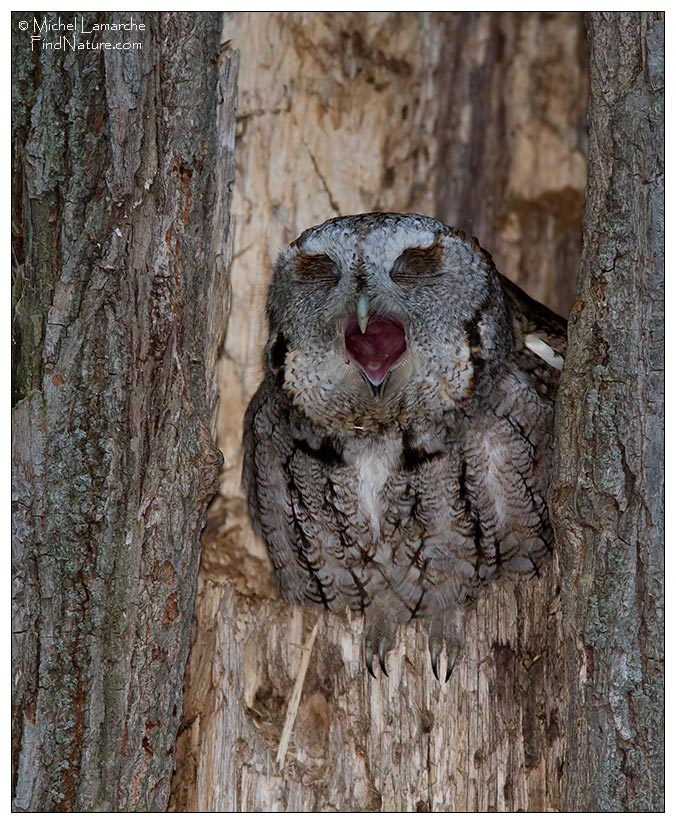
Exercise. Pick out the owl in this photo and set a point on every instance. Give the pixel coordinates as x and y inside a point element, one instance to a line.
<point>397,453</point>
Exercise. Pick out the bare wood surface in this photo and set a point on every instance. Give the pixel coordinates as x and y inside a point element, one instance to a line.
<point>609,494</point>
<point>119,295</point>
<point>340,114</point>
<point>513,142</point>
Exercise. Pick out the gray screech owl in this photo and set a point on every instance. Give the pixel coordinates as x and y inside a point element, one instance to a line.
<point>397,452</point>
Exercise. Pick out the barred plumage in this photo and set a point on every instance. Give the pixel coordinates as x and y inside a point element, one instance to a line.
<point>397,452</point>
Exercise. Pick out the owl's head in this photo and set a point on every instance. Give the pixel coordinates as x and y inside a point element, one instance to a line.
<point>382,317</point>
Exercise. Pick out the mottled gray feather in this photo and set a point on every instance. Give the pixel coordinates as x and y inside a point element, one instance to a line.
<point>401,501</point>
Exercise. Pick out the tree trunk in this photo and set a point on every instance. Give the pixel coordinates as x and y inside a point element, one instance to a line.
<point>609,495</point>
<point>477,120</point>
<point>121,186</point>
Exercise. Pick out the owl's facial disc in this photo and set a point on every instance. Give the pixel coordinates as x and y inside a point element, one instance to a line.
<point>379,350</point>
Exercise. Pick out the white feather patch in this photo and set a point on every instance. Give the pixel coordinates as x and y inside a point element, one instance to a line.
<point>544,350</point>
<point>374,466</point>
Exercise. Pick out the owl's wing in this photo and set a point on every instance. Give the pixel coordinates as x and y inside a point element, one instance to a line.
<point>283,499</point>
<point>267,445</point>
<point>533,321</point>
<point>540,337</point>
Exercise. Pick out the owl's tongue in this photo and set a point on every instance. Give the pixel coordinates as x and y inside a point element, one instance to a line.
<point>378,350</point>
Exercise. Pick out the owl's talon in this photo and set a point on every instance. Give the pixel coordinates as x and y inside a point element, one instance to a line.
<point>452,654</point>
<point>382,652</point>
<point>378,639</point>
<point>369,665</point>
<point>369,653</point>
<point>434,656</point>
<point>445,634</point>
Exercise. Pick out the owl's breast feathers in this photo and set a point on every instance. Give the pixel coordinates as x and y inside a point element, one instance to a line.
<point>420,516</point>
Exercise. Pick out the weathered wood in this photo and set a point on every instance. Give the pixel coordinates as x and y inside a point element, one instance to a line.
<point>513,142</point>
<point>340,114</point>
<point>609,494</point>
<point>490,739</point>
<point>121,189</point>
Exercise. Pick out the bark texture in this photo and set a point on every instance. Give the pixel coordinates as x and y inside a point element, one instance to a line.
<point>609,496</point>
<point>512,143</point>
<point>475,119</point>
<point>121,185</point>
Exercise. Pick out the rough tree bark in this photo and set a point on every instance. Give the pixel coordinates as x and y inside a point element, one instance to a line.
<point>121,185</point>
<point>609,496</point>
<point>476,119</point>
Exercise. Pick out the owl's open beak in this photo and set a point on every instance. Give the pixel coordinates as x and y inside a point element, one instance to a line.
<point>377,348</point>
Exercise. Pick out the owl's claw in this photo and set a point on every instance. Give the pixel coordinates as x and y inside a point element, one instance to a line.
<point>445,636</point>
<point>452,655</point>
<point>382,652</point>
<point>378,639</point>
<point>434,656</point>
<point>452,651</point>
<point>369,665</point>
<point>369,654</point>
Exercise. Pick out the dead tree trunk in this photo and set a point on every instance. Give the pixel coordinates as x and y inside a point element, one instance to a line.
<point>120,192</point>
<point>609,497</point>
<point>513,141</point>
<point>341,114</point>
